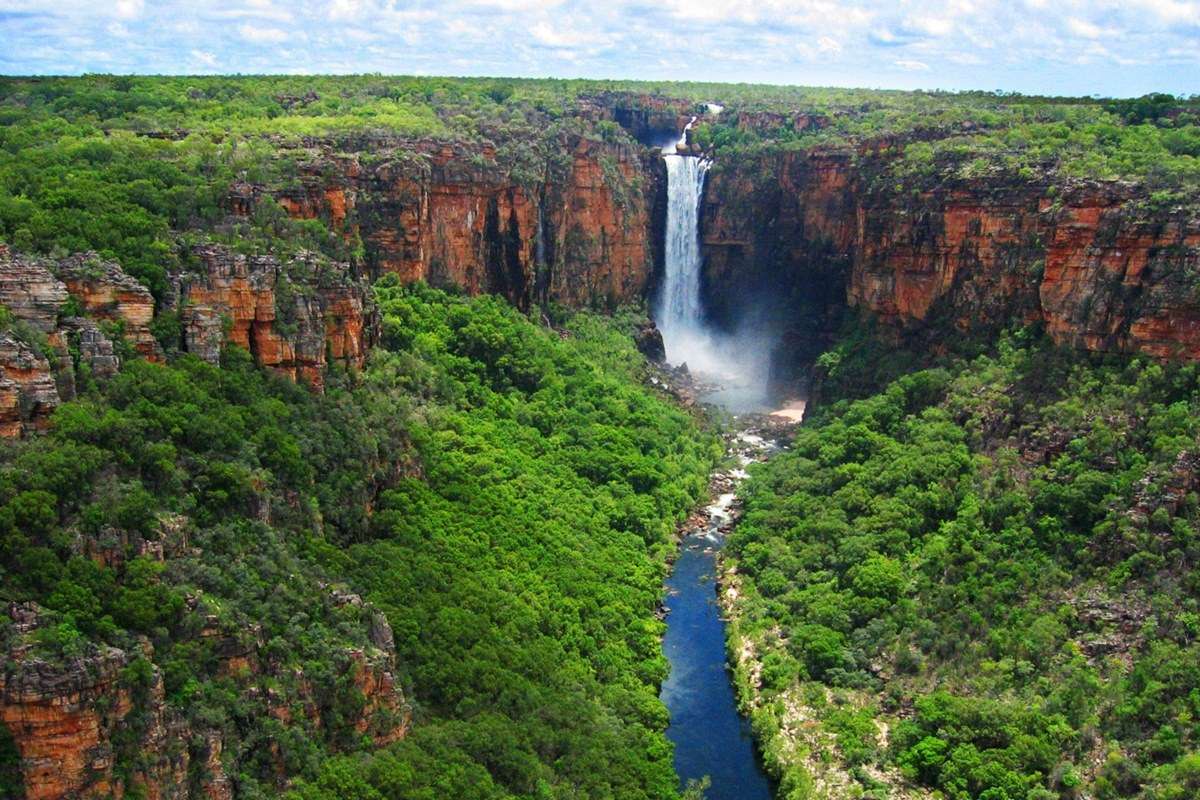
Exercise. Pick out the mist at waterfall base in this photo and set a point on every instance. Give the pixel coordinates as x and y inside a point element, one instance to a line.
<point>737,364</point>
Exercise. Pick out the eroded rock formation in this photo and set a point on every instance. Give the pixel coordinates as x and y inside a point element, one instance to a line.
<point>98,725</point>
<point>1091,261</point>
<point>69,313</point>
<point>105,292</point>
<point>294,317</point>
<point>573,225</point>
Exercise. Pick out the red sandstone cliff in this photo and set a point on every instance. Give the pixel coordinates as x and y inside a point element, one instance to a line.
<point>37,370</point>
<point>69,715</point>
<point>1087,260</point>
<point>293,317</point>
<point>572,223</point>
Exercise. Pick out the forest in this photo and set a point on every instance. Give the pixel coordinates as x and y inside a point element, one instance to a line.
<point>438,572</point>
<point>523,489</point>
<point>980,579</point>
<point>124,165</point>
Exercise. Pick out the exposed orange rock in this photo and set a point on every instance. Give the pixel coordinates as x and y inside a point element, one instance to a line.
<point>64,714</point>
<point>1116,281</point>
<point>1100,273</point>
<point>30,290</point>
<point>36,368</point>
<point>62,718</point>
<point>451,214</point>
<point>28,389</point>
<point>106,292</point>
<point>291,316</point>
<point>29,386</point>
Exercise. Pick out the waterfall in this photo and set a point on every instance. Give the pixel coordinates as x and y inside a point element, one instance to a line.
<point>737,362</point>
<point>680,314</point>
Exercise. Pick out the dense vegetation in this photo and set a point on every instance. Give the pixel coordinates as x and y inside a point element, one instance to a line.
<point>1154,139</point>
<point>130,166</point>
<point>996,558</point>
<point>505,494</point>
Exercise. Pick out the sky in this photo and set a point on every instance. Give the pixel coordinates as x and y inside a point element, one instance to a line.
<point>1105,47</point>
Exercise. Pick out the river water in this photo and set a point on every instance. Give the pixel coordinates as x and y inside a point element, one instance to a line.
<point>711,738</point>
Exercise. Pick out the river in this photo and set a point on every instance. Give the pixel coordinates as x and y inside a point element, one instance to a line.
<point>711,738</point>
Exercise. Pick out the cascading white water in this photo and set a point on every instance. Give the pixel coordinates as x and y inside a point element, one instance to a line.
<point>680,315</point>
<point>737,362</point>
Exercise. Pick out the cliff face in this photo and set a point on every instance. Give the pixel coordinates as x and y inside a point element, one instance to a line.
<point>575,227</point>
<point>777,235</point>
<point>37,366</point>
<point>1088,262</point>
<point>98,724</point>
<point>67,314</point>
<point>105,292</point>
<point>294,318</point>
<point>650,119</point>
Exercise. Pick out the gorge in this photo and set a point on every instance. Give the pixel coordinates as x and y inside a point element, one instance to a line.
<point>331,469</point>
<point>712,741</point>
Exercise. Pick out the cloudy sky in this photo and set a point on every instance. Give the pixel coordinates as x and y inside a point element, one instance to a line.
<point>1112,47</point>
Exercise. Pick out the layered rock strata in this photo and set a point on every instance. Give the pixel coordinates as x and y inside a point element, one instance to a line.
<point>1092,262</point>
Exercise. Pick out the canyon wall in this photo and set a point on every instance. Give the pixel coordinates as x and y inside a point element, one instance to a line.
<point>569,222</point>
<point>295,317</point>
<point>75,318</point>
<point>1092,262</point>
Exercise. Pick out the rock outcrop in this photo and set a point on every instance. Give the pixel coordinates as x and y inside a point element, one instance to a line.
<point>294,317</point>
<point>30,291</point>
<point>106,292</point>
<point>28,389</point>
<point>62,718</point>
<point>37,368</point>
<point>98,725</point>
<point>651,119</point>
<point>573,225</point>
<point>33,352</point>
<point>1088,261</point>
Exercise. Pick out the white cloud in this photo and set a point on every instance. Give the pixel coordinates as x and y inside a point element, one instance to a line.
<point>1170,10</point>
<point>932,26</point>
<point>550,36</point>
<point>258,35</point>
<point>129,9</point>
<point>519,5</point>
<point>255,10</point>
<point>966,59</point>
<point>205,58</point>
<point>1108,46</point>
<point>1083,28</point>
<point>345,9</point>
<point>827,44</point>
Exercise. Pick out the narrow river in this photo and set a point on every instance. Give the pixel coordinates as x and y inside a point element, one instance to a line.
<point>711,738</point>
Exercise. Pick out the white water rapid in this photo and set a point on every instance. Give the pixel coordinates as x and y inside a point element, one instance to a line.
<point>736,363</point>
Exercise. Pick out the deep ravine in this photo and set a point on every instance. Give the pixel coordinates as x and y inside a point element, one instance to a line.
<point>712,740</point>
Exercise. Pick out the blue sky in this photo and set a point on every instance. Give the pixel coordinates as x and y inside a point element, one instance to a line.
<point>1112,47</point>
